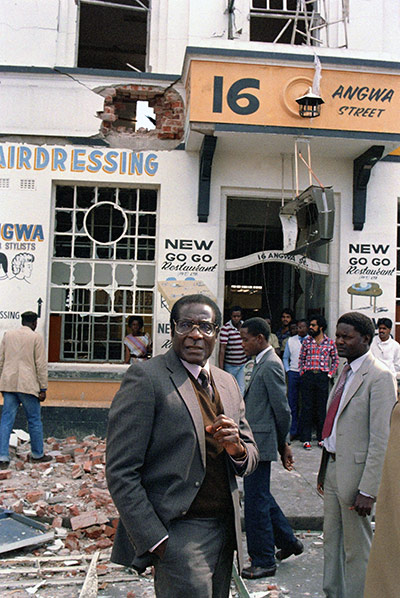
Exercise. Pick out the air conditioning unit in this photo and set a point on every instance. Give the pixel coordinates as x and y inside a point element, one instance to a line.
<point>308,220</point>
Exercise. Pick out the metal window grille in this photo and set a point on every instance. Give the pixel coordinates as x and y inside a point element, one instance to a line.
<point>103,267</point>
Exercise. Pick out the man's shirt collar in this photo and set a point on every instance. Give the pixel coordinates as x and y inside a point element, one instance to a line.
<point>194,368</point>
<point>260,355</point>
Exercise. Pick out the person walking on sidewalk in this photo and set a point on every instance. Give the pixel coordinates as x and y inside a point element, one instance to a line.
<point>177,437</point>
<point>268,414</point>
<point>23,380</point>
<point>231,356</point>
<point>287,316</point>
<point>385,348</point>
<point>355,433</point>
<point>318,362</point>
<point>291,365</point>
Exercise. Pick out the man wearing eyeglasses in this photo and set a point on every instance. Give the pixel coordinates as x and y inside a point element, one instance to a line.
<point>177,437</point>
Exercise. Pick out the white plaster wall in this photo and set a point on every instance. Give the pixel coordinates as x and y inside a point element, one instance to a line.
<point>374,26</point>
<point>38,32</point>
<point>48,105</point>
<point>380,229</point>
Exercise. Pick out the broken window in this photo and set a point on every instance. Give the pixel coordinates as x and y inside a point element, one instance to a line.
<point>113,34</point>
<point>284,21</point>
<point>103,269</point>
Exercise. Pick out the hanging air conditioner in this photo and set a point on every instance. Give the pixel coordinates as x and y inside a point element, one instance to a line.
<point>308,220</point>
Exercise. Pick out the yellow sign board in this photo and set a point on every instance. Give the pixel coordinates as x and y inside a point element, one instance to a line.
<point>265,95</point>
<point>172,290</point>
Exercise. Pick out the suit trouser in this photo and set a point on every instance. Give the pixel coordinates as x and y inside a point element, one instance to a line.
<point>198,559</point>
<point>314,396</point>
<point>347,542</point>
<point>293,399</point>
<point>266,525</point>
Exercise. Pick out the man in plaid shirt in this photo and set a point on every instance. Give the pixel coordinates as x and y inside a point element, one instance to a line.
<point>318,362</point>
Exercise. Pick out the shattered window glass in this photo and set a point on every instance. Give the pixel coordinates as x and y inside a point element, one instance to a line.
<point>103,268</point>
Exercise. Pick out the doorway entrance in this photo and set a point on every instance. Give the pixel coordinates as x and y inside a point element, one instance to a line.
<point>264,289</point>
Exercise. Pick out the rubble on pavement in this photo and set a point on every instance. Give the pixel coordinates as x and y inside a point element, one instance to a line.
<point>70,495</point>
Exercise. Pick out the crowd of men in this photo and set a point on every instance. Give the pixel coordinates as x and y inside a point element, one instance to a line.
<point>181,430</point>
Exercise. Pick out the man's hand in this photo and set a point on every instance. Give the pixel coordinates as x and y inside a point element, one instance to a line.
<point>42,396</point>
<point>287,457</point>
<point>161,548</point>
<point>226,432</point>
<point>363,505</point>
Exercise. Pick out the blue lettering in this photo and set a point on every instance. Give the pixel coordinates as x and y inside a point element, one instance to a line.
<point>151,166</point>
<point>41,158</point>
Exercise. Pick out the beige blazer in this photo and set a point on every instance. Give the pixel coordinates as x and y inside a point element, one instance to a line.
<point>384,561</point>
<point>363,429</point>
<point>23,363</point>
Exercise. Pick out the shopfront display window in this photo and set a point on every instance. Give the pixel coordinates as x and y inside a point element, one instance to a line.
<point>102,270</point>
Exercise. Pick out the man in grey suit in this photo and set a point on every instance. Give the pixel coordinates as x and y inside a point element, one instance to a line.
<point>177,437</point>
<point>355,434</point>
<point>268,413</point>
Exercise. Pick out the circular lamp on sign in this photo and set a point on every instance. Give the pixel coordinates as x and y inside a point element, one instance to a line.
<point>105,223</point>
<point>310,104</point>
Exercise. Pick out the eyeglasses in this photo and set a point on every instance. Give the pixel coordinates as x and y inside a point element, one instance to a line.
<point>186,326</point>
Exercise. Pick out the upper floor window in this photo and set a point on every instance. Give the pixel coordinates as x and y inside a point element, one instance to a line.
<point>113,34</point>
<point>284,21</point>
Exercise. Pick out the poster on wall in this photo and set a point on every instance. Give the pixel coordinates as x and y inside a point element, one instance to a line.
<point>23,266</point>
<point>187,264</point>
<point>370,278</point>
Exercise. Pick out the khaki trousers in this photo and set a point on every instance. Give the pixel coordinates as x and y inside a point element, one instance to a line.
<point>347,542</point>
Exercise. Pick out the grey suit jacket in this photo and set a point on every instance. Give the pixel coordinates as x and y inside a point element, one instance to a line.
<point>363,429</point>
<point>156,454</point>
<point>267,408</point>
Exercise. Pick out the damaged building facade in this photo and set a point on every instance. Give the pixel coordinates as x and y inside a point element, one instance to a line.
<point>150,149</point>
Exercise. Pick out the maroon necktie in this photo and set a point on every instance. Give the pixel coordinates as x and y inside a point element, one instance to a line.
<point>334,406</point>
<point>204,380</point>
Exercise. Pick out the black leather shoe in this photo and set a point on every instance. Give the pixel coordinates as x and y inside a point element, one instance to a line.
<point>44,459</point>
<point>257,572</point>
<point>4,464</point>
<point>296,549</point>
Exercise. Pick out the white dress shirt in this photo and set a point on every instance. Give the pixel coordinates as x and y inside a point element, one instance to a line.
<point>388,352</point>
<point>330,442</point>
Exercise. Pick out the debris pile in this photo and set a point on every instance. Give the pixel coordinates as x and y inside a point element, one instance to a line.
<point>69,492</point>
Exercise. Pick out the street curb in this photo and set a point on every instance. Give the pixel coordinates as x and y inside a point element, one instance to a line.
<point>300,523</point>
<point>306,522</point>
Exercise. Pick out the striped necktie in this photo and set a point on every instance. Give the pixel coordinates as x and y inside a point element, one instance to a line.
<point>204,380</point>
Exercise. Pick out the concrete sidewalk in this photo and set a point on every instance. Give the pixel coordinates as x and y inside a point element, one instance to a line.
<point>295,491</point>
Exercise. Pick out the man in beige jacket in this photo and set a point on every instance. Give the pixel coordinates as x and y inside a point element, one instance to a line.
<point>23,380</point>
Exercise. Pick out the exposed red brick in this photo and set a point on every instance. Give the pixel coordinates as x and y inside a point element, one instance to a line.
<point>71,542</point>
<point>63,458</point>
<point>74,511</point>
<point>87,519</point>
<point>77,472</point>
<point>103,543</point>
<point>18,507</point>
<point>58,509</point>
<point>34,496</point>
<point>109,531</point>
<point>87,466</point>
<point>57,522</point>
<point>93,532</point>
<point>5,474</point>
